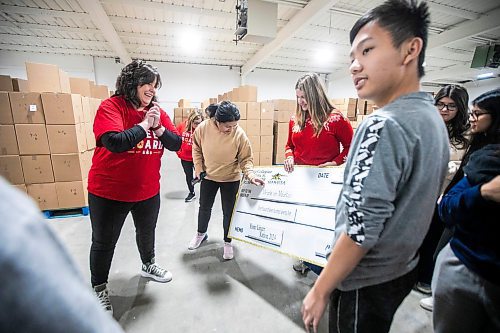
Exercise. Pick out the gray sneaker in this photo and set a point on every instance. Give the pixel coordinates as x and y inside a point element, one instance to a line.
<point>155,272</point>
<point>102,294</point>
<point>300,267</point>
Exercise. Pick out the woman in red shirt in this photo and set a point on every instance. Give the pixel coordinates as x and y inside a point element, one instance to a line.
<point>186,152</point>
<point>131,131</point>
<point>318,134</point>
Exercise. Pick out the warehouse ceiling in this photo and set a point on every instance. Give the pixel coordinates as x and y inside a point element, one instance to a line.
<point>310,35</point>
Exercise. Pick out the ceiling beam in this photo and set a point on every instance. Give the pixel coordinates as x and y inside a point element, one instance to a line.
<point>466,29</point>
<point>39,40</point>
<point>43,49</point>
<point>305,16</point>
<point>43,12</point>
<point>102,22</point>
<point>165,7</point>
<point>47,27</point>
<point>449,10</point>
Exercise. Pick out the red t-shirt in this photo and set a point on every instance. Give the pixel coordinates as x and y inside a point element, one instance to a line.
<point>186,151</point>
<point>307,149</point>
<point>133,175</point>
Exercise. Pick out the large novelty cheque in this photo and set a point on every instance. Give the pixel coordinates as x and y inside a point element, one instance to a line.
<point>294,213</point>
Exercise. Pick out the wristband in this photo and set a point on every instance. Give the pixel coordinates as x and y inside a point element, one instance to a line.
<point>156,128</point>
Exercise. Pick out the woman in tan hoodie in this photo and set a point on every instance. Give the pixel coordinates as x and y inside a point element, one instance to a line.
<point>221,152</point>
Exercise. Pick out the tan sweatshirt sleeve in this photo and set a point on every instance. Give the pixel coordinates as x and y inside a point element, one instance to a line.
<point>198,151</point>
<point>245,157</point>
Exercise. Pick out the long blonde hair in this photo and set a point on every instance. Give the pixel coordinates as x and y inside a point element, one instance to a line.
<point>193,115</point>
<point>317,101</point>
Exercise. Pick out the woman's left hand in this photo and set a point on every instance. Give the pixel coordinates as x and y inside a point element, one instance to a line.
<point>322,165</point>
<point>312,310</point>
<point>257,181</point>
<point>154,112</point>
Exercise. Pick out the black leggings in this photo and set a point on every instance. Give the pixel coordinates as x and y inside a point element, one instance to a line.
<point>188,167</point>
<point>208,191</point>
<point>107,218</point>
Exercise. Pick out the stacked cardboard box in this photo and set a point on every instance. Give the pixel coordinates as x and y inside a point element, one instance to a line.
<point>46,139</point>
<point>283,110</point>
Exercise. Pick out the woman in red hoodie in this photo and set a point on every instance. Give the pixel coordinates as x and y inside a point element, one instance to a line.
<point>318,135</point>
<point>185,153</point>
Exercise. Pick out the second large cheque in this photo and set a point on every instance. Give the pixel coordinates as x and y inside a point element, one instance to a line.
<point>294,213</point>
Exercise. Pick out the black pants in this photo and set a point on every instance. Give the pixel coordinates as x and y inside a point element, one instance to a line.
<point>370,309</point>
<point>107,218</point>
<point>208,191</point>
<point>188,167</point>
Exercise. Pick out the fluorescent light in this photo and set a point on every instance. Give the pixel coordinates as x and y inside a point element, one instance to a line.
<point>323,56</point>
<point>485,75</point>
<point>190,41</point>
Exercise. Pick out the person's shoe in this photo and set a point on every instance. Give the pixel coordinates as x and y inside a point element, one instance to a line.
<point>427,303</point>
<point>102,294</point>
<point>190,197</point>
<point>300,267</point>
<point>424,288</point>
<point>155,272</point>
<point>228,251</point>
<point>197,240</point>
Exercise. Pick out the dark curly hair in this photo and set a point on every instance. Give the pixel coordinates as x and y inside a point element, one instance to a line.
<point>136,74</point>
<point>227,112</point>
<point>458,126</point>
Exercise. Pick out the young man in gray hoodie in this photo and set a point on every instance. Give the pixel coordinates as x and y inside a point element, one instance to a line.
<point>392,179</point>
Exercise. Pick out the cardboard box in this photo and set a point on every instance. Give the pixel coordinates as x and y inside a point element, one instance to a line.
<point>255,157</point>
<point>80,86</point>
<point>281,130</point>
<point>177,121</point>
<point>361,106</point>
<point>242,107</point>
<point>266,158</point>
<point>266,110</point>
<point>95,103</point>
<point>10,169</point>
<point>186,112</point>
<point>247,93</point>
<point>32,139</point>
<point>37,169</point>
<point>278,158</point>
<point>8,140</point>
<point>288,105</point>
<point>235,94</point>
<point>254,142</point>
<point>5,109</point>
<point>62,109</point>
<point>266,127</point>
<point>44,194</point>
<point>253,127</point>
<point>243,124</point>
<point>70,167</point>
<point>283,116</point>
<point>26,108</point>
<point>21,187</point>
<point>47,78</point>
<point>67,138</point>
<point>87,115</point>
<point>20,85</point>
<point>99,91</point>
<point>89,135</point>
<point>184,103</point>
<point>253,110</point>
<point>280,145</point>
<point>266,143</point>
<point>72,194</point>
<point>178,112</point>
<point>6,83</point>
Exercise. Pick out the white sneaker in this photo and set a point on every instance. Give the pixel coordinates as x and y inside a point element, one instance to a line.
<point>102,294</point>
<point>228,251</point>
<point>153,271</point>
<point>427,303</point>
<point>197,240</point>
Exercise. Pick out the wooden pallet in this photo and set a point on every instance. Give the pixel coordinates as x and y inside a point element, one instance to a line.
<point>68,212</point>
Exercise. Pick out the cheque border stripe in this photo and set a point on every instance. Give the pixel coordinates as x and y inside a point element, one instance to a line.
<point>295,203</point>
<point>286,221</point>
<point>321,255</point>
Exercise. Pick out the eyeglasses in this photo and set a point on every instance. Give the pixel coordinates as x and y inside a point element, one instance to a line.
<point>450,107</point>
<point>476,115</point>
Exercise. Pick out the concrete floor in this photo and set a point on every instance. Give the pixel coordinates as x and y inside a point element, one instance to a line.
<point>256,292</point>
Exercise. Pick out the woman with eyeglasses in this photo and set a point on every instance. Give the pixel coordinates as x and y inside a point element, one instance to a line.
<point>466,281</point>
<point>452,103</point>
<point>186,129</point>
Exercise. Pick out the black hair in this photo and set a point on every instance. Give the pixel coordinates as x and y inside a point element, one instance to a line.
<point>227,112</point>
<point>210,110</point>
<point>404,19</point>
<point>458,126</point>
<point>136,74</point>
<point>489,102</point>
